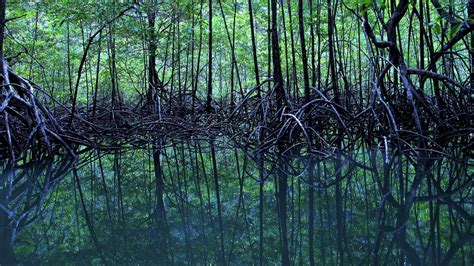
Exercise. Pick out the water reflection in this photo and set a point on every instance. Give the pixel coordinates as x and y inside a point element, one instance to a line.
<point>203,203</point>
<point>24,189</point>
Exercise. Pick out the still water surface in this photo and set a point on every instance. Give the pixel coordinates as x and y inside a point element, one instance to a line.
<point>190,204</point>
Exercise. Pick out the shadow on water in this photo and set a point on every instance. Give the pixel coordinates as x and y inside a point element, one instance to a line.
<point>211,203</point>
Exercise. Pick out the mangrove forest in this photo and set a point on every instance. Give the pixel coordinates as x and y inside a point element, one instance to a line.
<point>237,132</point>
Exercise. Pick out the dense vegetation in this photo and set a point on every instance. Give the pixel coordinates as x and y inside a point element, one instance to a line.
<point>217,131</point>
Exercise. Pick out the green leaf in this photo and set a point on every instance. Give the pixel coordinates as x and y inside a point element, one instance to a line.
<point>455,29</point>
<point>437,28</point>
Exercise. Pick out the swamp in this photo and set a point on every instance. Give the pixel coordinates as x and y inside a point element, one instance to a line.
<point>222,132</point>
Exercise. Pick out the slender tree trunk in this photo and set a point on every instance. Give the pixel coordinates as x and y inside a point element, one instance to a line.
<point>198,59</point>
<point>280,102</point>
<point>254,46</point>
<point>261,214</point>
<point>332,62</point>
<point>35,38</point>
<point>219,207</point>
<point>470,11</point>
<point>339,211</point>
<point>260,158</point>
<point>313,48</point>
<point>322,235</point>
<point>153,82</point>
<point>304,57</point>
<point>209,66</point>
<point>334,85</point>
<point>97,71</point>
<point>113,67</point>
<point>277,74</point>
<point>160,212</point>
<point>87,217</point>
<point>294,76</point>
<point>202,211</point>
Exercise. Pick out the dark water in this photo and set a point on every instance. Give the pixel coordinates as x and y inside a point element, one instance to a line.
<point>369,206</point>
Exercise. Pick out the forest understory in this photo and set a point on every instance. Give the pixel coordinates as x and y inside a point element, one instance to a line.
<point>387,96</point>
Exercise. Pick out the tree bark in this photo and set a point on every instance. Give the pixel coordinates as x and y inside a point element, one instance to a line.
<point>152,74</point>
<point>209,67</point>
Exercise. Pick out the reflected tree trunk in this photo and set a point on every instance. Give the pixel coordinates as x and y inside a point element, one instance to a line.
<point>160,212</point>
<point>219,207</point>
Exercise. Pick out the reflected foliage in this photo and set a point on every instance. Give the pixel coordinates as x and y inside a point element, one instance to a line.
<point>24,189</point>
<point>397,206</point>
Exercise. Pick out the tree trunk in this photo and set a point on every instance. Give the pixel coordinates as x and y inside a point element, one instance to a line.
<point>219,207</point>
<point>152,74</point>
<point>160,213</point>
<point>470,11</point>
<point>254,46</point>
<point>304,57</point>
<point>209,67</point>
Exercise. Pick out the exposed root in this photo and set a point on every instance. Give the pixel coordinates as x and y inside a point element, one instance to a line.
<point>26,123</point>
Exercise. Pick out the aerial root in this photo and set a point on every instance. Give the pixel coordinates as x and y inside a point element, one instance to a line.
<point>26,122</point>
